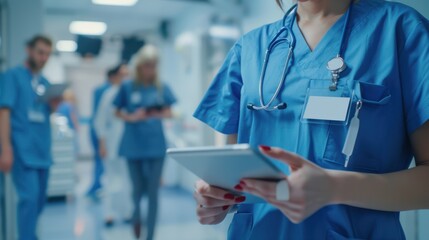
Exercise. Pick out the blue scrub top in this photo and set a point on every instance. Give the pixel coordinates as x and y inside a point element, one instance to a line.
<point>31,140</point>
<point>387,54</point>
<point>145,139</point>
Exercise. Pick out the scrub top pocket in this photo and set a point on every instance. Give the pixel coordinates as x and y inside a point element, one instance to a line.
<point>374,94</point>
<point>375,98</point>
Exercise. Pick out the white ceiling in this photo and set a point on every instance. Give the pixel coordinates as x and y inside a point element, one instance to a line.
<point>145,16</point>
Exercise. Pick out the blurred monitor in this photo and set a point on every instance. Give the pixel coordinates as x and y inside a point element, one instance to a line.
<point>130,47</point>
<point>88,46</point>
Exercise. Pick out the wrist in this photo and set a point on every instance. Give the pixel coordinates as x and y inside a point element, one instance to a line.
<point>338,180</point>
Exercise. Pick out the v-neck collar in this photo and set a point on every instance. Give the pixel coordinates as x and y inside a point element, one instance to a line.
<point>328,45</point>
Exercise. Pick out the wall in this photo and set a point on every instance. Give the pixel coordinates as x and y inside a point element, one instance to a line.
<point>260,12</point>
<point>181,68</point>
<point>25,20</point>
<point>421,5</point>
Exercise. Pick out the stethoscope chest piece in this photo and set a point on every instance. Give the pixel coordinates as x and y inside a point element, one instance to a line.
<point>336,65</point>
<point>40,90</point>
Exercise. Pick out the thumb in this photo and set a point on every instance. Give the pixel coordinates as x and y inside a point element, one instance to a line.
<point>294,161</point>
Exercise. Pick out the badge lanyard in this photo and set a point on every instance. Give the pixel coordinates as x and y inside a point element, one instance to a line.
<point>337,65</point>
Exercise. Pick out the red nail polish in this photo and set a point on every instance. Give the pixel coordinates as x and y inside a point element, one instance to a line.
<point>240,199</point>
<point>242,183</point>
<point>229,196</point>
<point>238,187</point>
<point>225,207</point>
<point>265,148</point>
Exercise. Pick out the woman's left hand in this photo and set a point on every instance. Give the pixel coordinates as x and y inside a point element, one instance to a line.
<point>310,187</point>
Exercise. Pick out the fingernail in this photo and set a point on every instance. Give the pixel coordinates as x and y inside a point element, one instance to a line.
<point>242,183</point>
<point>265,148</point>
<point>238,187</point>
<point>240,199</point>
<point>225,207</point>
<point>229,196</point>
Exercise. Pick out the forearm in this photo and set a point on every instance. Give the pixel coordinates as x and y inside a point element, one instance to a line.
<point>165,113</point>
<point>5,128</point>
<point>399,191</point>
<point>121,115</point>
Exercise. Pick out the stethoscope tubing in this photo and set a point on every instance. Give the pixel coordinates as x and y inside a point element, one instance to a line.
<point>290,38</point>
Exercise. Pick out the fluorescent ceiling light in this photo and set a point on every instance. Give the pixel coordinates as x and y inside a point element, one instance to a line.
<point>115,2</point>
<point>87,28</point>
<point>66,46</point>
<point>227,32</point>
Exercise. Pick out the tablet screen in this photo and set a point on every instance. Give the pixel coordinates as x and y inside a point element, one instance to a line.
<point>225,166</point>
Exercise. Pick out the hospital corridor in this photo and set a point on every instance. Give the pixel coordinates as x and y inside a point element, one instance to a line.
<point>214,119</point>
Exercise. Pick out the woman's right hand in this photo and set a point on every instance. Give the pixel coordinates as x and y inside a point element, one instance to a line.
<point>213,203</point>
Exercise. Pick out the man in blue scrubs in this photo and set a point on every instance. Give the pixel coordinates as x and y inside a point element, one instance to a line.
<point>98,164</point>
<point>25,133</point>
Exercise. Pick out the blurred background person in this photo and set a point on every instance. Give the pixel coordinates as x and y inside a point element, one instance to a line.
<point>142,103</point>
<point>25,133</point>
<point>98,164</point>
<point>68,109</point>
<point>109,129</point>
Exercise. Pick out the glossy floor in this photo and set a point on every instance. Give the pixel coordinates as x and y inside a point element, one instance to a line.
<point>80,218</point>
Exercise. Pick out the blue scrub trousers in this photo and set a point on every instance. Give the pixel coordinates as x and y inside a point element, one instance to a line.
<point>31,185</point>
<point>145,177</point>
<point>98,164</point>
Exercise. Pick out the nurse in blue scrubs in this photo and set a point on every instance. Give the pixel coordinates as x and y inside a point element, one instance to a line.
<point>345,123</point>
<point>142,103</point>
<point>25,133</point>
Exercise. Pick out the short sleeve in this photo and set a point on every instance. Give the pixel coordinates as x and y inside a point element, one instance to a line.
<point>169,97</point>
<point>120,101</point>
<point>220,106</point>
<point>414,69</point>
<point>8,91</point>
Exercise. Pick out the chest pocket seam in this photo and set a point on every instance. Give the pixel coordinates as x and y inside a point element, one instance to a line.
<point>374,93</point>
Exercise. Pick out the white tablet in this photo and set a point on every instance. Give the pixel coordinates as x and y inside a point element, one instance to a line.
<point>54,90</point>
<point>224,167</point>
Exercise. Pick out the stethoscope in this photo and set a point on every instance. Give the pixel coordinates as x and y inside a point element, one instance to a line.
<point>336,65</point>
<point>38,87</point>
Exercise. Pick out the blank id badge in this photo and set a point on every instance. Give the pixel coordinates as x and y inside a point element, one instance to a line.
<point>136,98</point>
<point>323,106</point>
<point>36,114</point>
